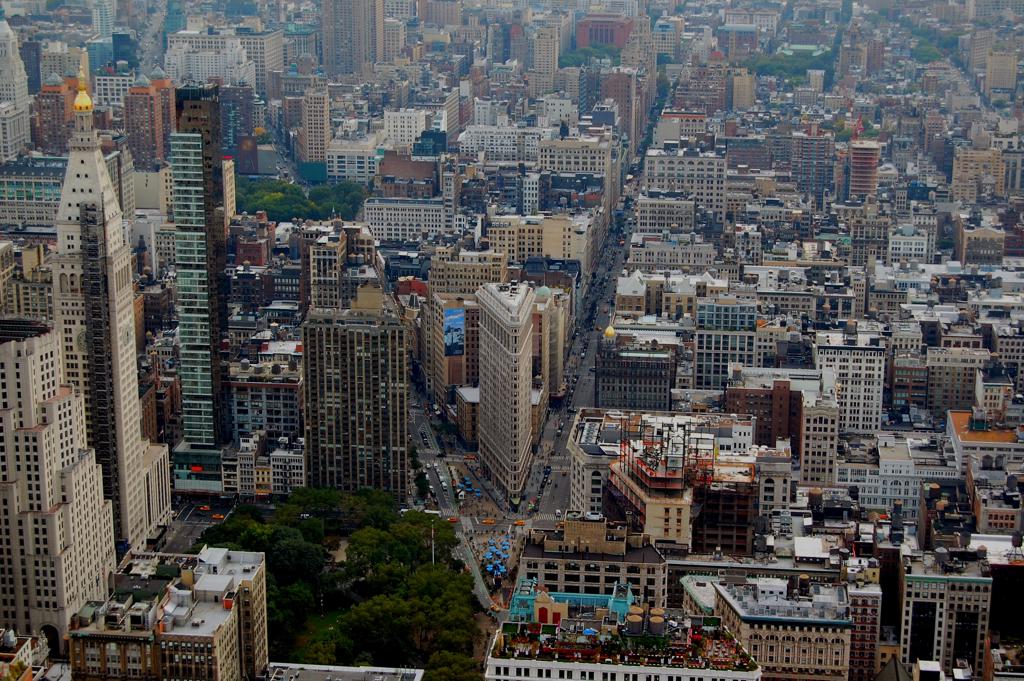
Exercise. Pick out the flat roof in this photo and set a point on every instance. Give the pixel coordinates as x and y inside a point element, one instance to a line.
<point>961,424</point>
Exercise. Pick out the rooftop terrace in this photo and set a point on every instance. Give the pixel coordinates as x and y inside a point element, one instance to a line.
<point>698,643</point>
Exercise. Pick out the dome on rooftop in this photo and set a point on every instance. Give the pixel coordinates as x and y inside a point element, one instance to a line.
<point>609,332</point>
<point>543,293</point>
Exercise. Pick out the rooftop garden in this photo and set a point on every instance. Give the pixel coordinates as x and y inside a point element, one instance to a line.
<point>689,649</point>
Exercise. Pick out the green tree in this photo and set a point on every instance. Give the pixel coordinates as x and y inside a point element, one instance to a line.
<point>448,666</point>
<point>296,560</point>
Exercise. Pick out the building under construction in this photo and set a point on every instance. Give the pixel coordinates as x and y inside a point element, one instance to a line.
<point>670,481</point>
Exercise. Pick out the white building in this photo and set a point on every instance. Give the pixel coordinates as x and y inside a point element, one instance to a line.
<point>265,48</point>
<point>54,517</point>
<point>110,89</point>
<point>506,384</point>
<point>404,126</point>
<point>103,18</point>
<point>688,170</point>
<point>99,350</point>
<point>503,142</point>
<point>858,359</point>
<point>228,60</point>
<point>401,219</point>
<point>903,464</point>
<point>354,159</point>
<point>15,132</point>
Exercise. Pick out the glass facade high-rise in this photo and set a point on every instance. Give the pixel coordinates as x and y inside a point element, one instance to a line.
<point>200,253</point>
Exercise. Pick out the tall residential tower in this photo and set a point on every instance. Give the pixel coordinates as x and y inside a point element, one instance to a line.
<point>197,178</point>
<point>356,387</point>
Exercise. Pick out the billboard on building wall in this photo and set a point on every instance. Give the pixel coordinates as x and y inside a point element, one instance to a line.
<point>454,332</point>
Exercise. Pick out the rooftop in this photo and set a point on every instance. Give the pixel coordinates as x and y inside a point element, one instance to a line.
<point>279,671</point>
<point>961,422</point>
<point>770,599</point>
<point>662,641</point>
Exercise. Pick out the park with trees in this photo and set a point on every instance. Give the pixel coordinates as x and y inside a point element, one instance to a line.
<point>351,581</point>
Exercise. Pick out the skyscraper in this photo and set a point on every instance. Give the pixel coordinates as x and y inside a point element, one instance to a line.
<point>201,257</point>
<point>813,162</point>
<point>237,112</point>
<point>143,124</point>
<point>15,131</point>
<point>356,384</point>
<point>506,384</point>
<point>103,18</point>
<point>94,311</point>
<point>52,114</point>
<point>56,535</point>
<point>353,35</point>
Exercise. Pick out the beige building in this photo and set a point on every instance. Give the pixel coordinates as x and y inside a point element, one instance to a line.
<point>587,554</point>
<point>802,636</point>
<point>701,174</point>
<point>455,276</point>
<point>979,245</point>
<point>202,617</point>
<point>952,376</point>
<point>546,46</point>
<point>977,172</point>
<point>858,360</point>
<point>659,213</point>
<point>94,258</point>
<point>394,38</point>
<point>594,153</point>
<point>352,35</point>
<point>56,529</point>
<point>562,236</point>
<point>355,391</point>
<point>1000,73</point>
<point>315,133</point>
<point>506,384</point>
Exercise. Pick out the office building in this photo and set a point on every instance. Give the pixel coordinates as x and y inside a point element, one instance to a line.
<point>632,375</point>
<point>197,179</point>
<point>56,528</point>
<point>726,332</point>
<point>587,554</point>
<point>977,173</point>
<point>15,128</point>
<point>796,631</point>
<point>172,616</point>
<point>353,35</point>
<point>315,133</point>
<point>264,397</point>
<point>813,163</point>
<point>946,597</point>
<point>53,115</point>
<point>858,360</point>
<point>264,48</point>
<point>407,220</point>
<point>355,376</point>
<point>237,115</point>
<point>94,297</point>
<point>506,384</point>
<point>144,124</point>
<point>1000,73</point>
<point>952,374</point>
